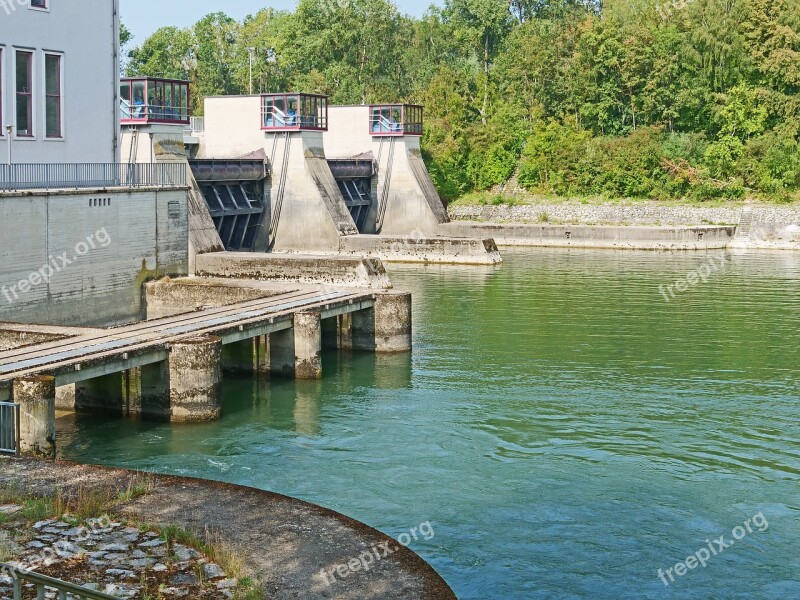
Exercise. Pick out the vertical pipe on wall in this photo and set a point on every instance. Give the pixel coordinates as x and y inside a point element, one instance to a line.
<point>115,24</point>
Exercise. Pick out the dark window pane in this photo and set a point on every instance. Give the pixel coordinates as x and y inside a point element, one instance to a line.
<point>53,110</point>
<point>23,115</point>
<point>52,69</point>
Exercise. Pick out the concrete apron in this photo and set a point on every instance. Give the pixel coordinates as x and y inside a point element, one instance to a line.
<point>592,236</point>
<point>477,251</point>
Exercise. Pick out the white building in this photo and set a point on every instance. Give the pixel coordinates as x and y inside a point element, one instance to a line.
<point>66,188</point>
<point>59,81</point>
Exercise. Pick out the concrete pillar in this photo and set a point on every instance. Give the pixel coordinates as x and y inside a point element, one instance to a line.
<point>308,345</point>
<point>36,397</point>
<point>297,352</point>
<point>330,333</point>
<point>154,392</point>
<point>100,395</point>
<point>261,350</point>
<point>132,392</point>
<point>281,353</point>
<point>195,378</point>
<point>239,357</point>
<point>384,328</point>
<point>65,398</point>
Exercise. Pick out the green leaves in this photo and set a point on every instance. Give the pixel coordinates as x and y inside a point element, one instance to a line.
<point>620,97</point>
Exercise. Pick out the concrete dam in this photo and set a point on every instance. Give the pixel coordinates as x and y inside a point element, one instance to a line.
<point>246,241</point>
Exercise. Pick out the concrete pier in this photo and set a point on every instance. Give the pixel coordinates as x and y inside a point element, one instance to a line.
<point>386,327</point>
<point>308,345</point>
<point>195,376</point>
<point>297,352</point>
<point>36,397</point>
<point>170,369</point>
<point>104,394</point>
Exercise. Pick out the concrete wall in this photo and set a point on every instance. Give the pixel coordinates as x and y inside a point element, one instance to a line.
<point>464,250</point>
<point>412,202</point>
<point>163,143</point>
<point>335,271</point>
<point>85,34</point>
<point>772,227</point>
<point>313,214</point>
<point>588,236</point>
<point>177,296</point>
<point>114,241</point>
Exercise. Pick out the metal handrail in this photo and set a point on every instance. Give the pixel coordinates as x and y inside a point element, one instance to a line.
<point>42,581</point>
<point>137,111</point>
<point>5,447</point>
<point>51,176</point>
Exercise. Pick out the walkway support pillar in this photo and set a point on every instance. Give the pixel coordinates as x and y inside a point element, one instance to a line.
<point>195,377</point>
<point>36,397</point>
<point>384,328</point>
<point>297,352</point>
<point>308,345</point>
<point>239,357</point>
<point>281,353</point>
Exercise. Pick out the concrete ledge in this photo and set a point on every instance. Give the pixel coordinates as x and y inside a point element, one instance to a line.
<point>591,236</point>
<point>340,271</point>
<point>170,297</point>
<point>441,250</point>
<point>285,543</point>
<point>20,335</point>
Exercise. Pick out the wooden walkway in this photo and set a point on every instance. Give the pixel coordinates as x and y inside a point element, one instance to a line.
<point>102,352</point>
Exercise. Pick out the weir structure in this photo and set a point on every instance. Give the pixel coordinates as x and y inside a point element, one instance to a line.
<point>170,368</point>
<point>404,198</point>
<point>340,180</point>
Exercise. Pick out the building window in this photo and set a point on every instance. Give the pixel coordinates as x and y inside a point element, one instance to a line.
<point>24,93</point>
<point>39,3</point>
<point>52,91</point>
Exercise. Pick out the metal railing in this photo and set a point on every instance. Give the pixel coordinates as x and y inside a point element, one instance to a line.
<point>42,582</point>
<point>197,124</point>
<point>53,176</point>
<point>9,428</point>
<point>162,113</point>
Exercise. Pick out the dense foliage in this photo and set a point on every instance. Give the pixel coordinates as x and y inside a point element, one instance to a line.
<point>634,98</point>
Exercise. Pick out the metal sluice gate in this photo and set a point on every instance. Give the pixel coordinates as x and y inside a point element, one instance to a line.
<point>354,177</point>
<point>234,192</point>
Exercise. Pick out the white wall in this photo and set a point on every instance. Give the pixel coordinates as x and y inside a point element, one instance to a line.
<point>412,203</point>
<point>85,32</point>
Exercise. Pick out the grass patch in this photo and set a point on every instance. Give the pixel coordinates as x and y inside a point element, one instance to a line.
<point>139,485</point>
<point>211,545</point>
<point>494,199</point>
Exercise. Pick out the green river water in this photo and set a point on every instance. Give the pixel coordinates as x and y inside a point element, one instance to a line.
<point>565,430</point>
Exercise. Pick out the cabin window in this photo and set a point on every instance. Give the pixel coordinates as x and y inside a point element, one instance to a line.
<point>38,3</point>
